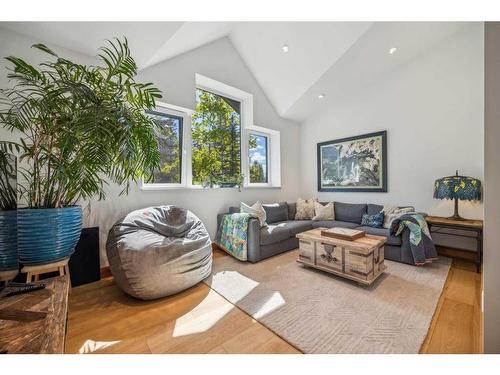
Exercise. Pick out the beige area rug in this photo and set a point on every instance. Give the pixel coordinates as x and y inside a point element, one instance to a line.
<point>320,313</point>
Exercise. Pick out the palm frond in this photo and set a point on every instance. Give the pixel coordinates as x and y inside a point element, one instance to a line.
<point>81,125</point>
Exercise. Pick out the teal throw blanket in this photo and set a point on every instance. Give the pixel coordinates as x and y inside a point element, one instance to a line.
<point>234,233</point>
<point>421,244</point>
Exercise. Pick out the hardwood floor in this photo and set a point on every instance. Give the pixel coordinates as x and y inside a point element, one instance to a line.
<point>457,324</point>
<point>102,319</point>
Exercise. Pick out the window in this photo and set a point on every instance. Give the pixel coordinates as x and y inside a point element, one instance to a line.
<point>216,144</point>
<point>264,157</point>
<point>216,139</point>
<point>170,140</point>
<point>257,158</point>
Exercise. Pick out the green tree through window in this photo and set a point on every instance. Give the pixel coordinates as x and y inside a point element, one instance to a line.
<point>170,147</point>
<point>257,155</point>
<point>216,135</point>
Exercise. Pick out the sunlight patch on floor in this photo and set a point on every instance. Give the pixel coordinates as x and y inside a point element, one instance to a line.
<point>233,285</point>
<point>203,317</point>
<point>91,346</point>
<point>273,303</point>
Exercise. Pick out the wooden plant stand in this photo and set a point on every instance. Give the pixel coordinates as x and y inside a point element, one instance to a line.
<point>33,272</point>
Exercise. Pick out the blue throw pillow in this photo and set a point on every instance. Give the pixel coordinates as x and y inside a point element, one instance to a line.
<point>375,221</point>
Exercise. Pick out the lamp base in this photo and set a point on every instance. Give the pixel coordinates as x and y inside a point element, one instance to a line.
<point>457,217</point>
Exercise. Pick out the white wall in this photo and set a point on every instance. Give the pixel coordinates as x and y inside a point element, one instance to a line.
<point>432,109</point>
<point>491,276</point>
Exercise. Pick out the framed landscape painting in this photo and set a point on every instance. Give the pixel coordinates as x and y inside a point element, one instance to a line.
<point>353,164</point>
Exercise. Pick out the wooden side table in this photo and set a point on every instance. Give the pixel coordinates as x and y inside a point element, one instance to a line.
<point>35,322</point>
<point>443,225</point>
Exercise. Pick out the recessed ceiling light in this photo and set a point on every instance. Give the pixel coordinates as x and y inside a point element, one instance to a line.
<point>392,50</point>
<point>284,48</point>
<point>321,96</point>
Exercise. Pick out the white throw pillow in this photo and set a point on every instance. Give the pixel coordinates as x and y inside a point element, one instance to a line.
<point>255,211</point>
<point>305,209</point>
<point>391,213</point>
<point>326,212</point>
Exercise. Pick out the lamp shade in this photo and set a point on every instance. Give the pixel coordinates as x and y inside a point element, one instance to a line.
<point>458,187</point>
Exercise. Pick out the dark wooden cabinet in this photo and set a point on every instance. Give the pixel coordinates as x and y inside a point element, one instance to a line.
<point>84,264</point>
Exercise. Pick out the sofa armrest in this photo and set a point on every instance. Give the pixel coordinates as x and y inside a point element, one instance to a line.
<point>253,237</point>
<point>253,240</point>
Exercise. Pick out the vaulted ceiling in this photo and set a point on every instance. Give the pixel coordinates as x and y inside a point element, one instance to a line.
<point>330,58</point>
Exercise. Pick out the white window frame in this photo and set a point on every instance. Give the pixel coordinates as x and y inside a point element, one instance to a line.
<point>186,114</point>
<point>273,157</point>
<point>246,112</point>
<point>247,127</point>
<point>268,161</point>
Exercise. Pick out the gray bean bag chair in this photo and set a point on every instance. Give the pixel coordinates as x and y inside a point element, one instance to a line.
<point>159,251</point>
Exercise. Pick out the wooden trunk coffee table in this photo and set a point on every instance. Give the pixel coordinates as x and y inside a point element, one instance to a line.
<point>361,260</point>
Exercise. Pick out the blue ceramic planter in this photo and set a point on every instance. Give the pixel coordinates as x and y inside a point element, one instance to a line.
<point>8,241</point>
<point>47,235</point>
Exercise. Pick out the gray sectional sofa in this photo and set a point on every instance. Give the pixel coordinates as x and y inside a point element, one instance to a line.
<point>279,235</point>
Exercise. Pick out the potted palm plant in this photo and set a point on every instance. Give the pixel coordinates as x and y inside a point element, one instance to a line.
<point>80,127</point>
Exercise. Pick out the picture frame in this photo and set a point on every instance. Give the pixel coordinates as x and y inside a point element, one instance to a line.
<point>351,164</point>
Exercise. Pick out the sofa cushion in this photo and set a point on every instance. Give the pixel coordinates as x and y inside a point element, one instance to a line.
<point>273,233</point>
<point>391,240</point>
<point>256,210</point>
<point>305,209</point>
<point>297,226</point>
<point>351,212</point>
<point>276,212</point>
<point>292,210</point>
<point>333,223</point>
<point>375,220</point>
<point>324,211</point>
<point>234,210</point>
<point>267,251</point>
<point>373,209</point>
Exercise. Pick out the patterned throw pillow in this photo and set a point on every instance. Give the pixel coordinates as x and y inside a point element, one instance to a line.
<point>305,209</point>
<point>256,211</point>
<point>375,221</point>
<point>392,213</point>
<point>326,212</point>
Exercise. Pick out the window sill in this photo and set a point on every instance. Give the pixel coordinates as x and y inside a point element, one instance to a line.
<point>262,187</point>
<point>195,187</point>
<point>152,187</point>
